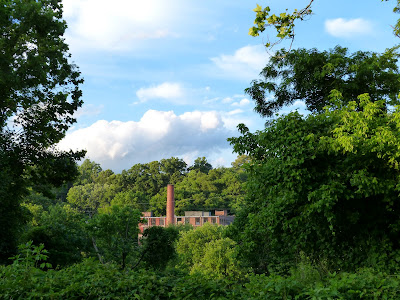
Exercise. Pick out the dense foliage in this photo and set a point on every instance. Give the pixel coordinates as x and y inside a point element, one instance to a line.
<point>115,234</point>
<point>39,92</point>
<point>98,214</point>
<point>209,252</point>
<point>319,218</point>
<point>62,230</point>
<point>310,76</point>
<point>143,186</point>
<point>325,184</point>
<point>90,280</point>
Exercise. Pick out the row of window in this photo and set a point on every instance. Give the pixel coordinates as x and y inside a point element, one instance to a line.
<point>179,220</point>
<point>153,222</point>
<point>196,220</point>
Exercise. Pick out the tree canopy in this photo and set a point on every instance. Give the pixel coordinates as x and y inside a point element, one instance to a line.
<point>39,86</point>
<point>325,184</point>
<point>39,92</point>
<point>201,164</point>
<point>310,76</point>
<point>322,186</point>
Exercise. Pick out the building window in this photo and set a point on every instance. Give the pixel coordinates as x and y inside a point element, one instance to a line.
<point>197,221</point>
<point>161,222</point>
<point>178,219</point>
<point>205,220</point>
<point>187,220</point>
<point>153,222</point>
<point>214,220</point>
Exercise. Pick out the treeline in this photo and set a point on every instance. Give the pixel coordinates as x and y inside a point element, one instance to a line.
<point>97,215</point>
<point>143,186</point>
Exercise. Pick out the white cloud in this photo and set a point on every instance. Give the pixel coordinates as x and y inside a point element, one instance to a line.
<point>299,104</point>
<point>88,110</point>
<point>166,90</point>
<point>246,63</point>
<point>214,100</point>
<point>234,112</point>
<point>234,117</point>
<point>227,100</point>
<point>159,134</point>
<point>348,28</point>
<point>242,102</point>
<point>116,25</point>
<point>218,162</point>
<point>208,120</point>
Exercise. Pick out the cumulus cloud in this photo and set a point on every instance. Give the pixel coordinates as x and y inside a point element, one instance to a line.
<point>234,112</point>
<point>158,134</point>
<point>218,162</point>
<point>167,90</point>
<point>348,28</point>
<point>242,102</point>
<point>88,110</point>
<point>299,104</point>
<point>246,63</point>
<point>106,25</point>
<point>234,117</point>
<point>227,100</point>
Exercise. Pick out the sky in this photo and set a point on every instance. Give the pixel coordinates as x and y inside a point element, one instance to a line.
<point>167,78</point>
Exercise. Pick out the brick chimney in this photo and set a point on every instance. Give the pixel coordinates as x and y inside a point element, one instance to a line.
<point>170,219</point>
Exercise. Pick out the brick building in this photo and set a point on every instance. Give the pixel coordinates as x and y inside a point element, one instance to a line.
<point>195,218</point>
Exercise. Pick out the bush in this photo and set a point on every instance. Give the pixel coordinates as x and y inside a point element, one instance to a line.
<point>91,280</point>
<point>26,278</point>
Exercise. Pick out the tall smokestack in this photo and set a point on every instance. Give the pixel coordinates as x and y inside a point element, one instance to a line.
<point>170,219</point>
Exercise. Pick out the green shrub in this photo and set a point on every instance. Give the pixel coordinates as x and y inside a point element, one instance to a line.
<point>27,278</point>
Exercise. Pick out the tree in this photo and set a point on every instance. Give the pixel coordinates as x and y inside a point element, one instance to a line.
<point>310,76</point>
<point>39,92</point>
<point>191,245</point>
<point>115,233</point>
<point>88,172</point>
<point>90,197</point>
<point>174,169</point>
<point>61,230</point>
<point>198,191</point>
<point>240,162</point>
<point>284,25</point>
<point>137,200</point>
<point>205,250</point>
<point>144,178</point>
<point>150,178</point>
<point>326,185</point>
<point>220,260</point>
<point>221,188</point>
<point>201,164</point>
<point>106,177</point>
<point>158,246</point>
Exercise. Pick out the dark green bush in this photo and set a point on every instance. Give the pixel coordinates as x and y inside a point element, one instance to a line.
<point>27,278</point>
<point>91,280</point>
<point>364,284</point>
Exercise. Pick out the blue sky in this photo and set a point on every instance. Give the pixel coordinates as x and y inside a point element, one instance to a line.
<point>167,78</point>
